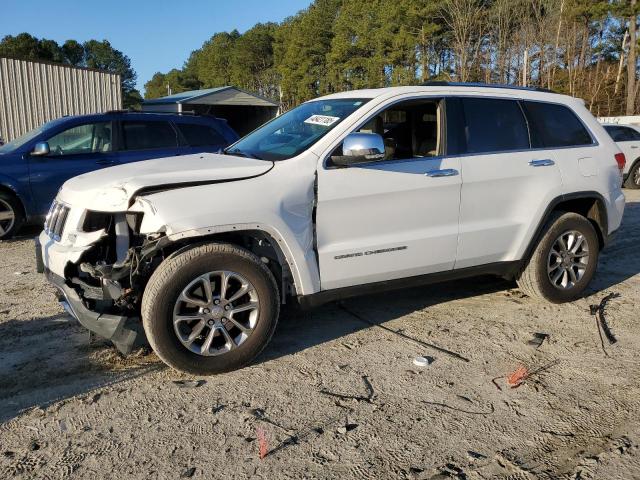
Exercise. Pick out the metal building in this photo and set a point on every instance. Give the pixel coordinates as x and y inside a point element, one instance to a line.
<point>32,93</point>
<point>244,111</point>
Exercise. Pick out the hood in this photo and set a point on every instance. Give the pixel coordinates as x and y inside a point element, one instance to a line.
<point>111,189</point>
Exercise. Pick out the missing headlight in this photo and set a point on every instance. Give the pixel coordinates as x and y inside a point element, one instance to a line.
<point>94,221</point>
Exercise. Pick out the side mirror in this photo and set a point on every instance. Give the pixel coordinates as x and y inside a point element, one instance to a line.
<point>40,149</point>
<point>360,148</point>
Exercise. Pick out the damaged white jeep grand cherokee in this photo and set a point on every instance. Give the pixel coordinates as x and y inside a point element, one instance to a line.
<point>346,194</point>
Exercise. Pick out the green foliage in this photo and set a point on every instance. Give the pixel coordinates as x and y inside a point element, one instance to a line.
<point>176,81</point>
<point>572,46</point>
<point>91,54</point>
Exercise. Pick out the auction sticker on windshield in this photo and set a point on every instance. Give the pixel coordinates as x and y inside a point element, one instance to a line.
<point>324,120</point>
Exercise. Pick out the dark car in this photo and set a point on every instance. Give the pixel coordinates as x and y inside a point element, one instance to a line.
<point>34,166</point>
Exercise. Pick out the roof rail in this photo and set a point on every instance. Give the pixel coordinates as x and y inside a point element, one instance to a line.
<point>129,110</point>
<point>444,83</point>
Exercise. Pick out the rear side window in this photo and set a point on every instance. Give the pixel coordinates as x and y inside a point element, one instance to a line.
<point>200,135</point>
<point>493,125</point>
<point>555,126</point>
<point>622,134</point>
<point>146,135</point>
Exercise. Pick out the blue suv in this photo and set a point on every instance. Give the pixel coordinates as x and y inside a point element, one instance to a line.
<point>34,166</point>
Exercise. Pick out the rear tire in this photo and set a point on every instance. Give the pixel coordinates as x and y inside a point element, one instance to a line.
<point>177,291</point>
<point>633,179</point>
<point>564,261</point>
<point>11,217</point>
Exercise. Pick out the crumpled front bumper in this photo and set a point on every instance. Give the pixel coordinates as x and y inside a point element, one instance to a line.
<point>123,332</point>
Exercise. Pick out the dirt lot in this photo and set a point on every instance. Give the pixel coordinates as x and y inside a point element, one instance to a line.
<point>70,410</point>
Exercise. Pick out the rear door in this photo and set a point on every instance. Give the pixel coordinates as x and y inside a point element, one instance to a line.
<point>506,185</point>
<point>73,151</point>
<point>147,139</point>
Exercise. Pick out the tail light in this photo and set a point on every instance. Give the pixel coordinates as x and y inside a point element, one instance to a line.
<point>620,160</point>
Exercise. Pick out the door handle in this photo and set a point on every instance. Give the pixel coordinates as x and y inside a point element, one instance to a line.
<point>542,163</point>
<point>446,172</point>
<point>634,146</point>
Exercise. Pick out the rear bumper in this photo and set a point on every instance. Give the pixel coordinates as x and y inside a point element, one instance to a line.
<point>123,332</point>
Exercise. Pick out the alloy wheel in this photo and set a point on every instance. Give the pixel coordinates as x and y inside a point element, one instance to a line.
<point>216,313</point>
<point>568,260</point>
<point>7,217</point>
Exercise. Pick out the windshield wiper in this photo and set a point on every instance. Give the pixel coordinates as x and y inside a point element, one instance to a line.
<point>240,153</point>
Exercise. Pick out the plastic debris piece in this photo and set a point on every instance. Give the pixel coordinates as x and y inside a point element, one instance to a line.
<point>189,383</point>
<point>475,455</point>
<point>263,445</point>
<point>601,322</point>
<point>423,361</point>
<point>538,339</point>
<point>188,473</point>
<point>518,376</point>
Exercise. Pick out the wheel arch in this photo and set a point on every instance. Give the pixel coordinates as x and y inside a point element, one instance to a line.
<point>261,242</point>
<point>10,191</point>
<point>631,167</point>
<point>589,204</point>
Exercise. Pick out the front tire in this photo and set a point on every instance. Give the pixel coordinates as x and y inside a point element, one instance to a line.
<point>564,261</point>
<point>210,309</point>
<point>11,218</point>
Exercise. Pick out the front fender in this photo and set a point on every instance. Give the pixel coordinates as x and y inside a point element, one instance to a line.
<point>21,191</point>
<point>279,203</point>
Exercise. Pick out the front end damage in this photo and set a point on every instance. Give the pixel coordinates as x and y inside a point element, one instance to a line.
<point>100,265</point>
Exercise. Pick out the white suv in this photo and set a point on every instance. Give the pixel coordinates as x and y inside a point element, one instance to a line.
<point>346,194</point>
<point>628,139</point>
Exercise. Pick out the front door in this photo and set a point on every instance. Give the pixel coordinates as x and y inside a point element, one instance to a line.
<point>393,218</point>
<point>72,152</point>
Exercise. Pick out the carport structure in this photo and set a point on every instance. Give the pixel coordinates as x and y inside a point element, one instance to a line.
<point>244,111</point>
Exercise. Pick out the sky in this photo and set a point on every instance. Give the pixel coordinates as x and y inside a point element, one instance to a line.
<point>157,35</point>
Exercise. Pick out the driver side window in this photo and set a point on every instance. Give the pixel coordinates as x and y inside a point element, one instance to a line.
<point>82,139</point>
<point>410,129</point>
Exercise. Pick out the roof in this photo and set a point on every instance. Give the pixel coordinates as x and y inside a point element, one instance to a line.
<point>214,96</point>
<point>136,115</point>
<point>448,88</point>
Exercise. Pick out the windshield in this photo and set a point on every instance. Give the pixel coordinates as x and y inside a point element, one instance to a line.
<point>293,132</point>
<point>18,142</point>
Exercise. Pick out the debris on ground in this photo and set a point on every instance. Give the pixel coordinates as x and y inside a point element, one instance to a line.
<point>263,445</point>
<point>360,398</point>
<point>188,473</point>
<point>189,383</point>
<point>347,428</point>
<point>522,374</point>
<point>423,361</point>
<point>218,407</point>
<point>261,414</point>
<point>475,455</point>
<point>601,322</point>
<point>518,376</point>
<point>404,335</point>
<point>538,339</point>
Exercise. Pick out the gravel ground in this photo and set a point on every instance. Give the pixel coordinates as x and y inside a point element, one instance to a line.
<point>336,394</point>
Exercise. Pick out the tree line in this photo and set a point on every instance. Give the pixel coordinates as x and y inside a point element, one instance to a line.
<point>585,48</point>
<point>90,54</point>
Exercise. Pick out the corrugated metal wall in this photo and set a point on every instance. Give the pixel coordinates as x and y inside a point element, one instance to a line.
<point>32,93</point>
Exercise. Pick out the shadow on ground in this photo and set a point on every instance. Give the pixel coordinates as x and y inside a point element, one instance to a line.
<point>49,359</point>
